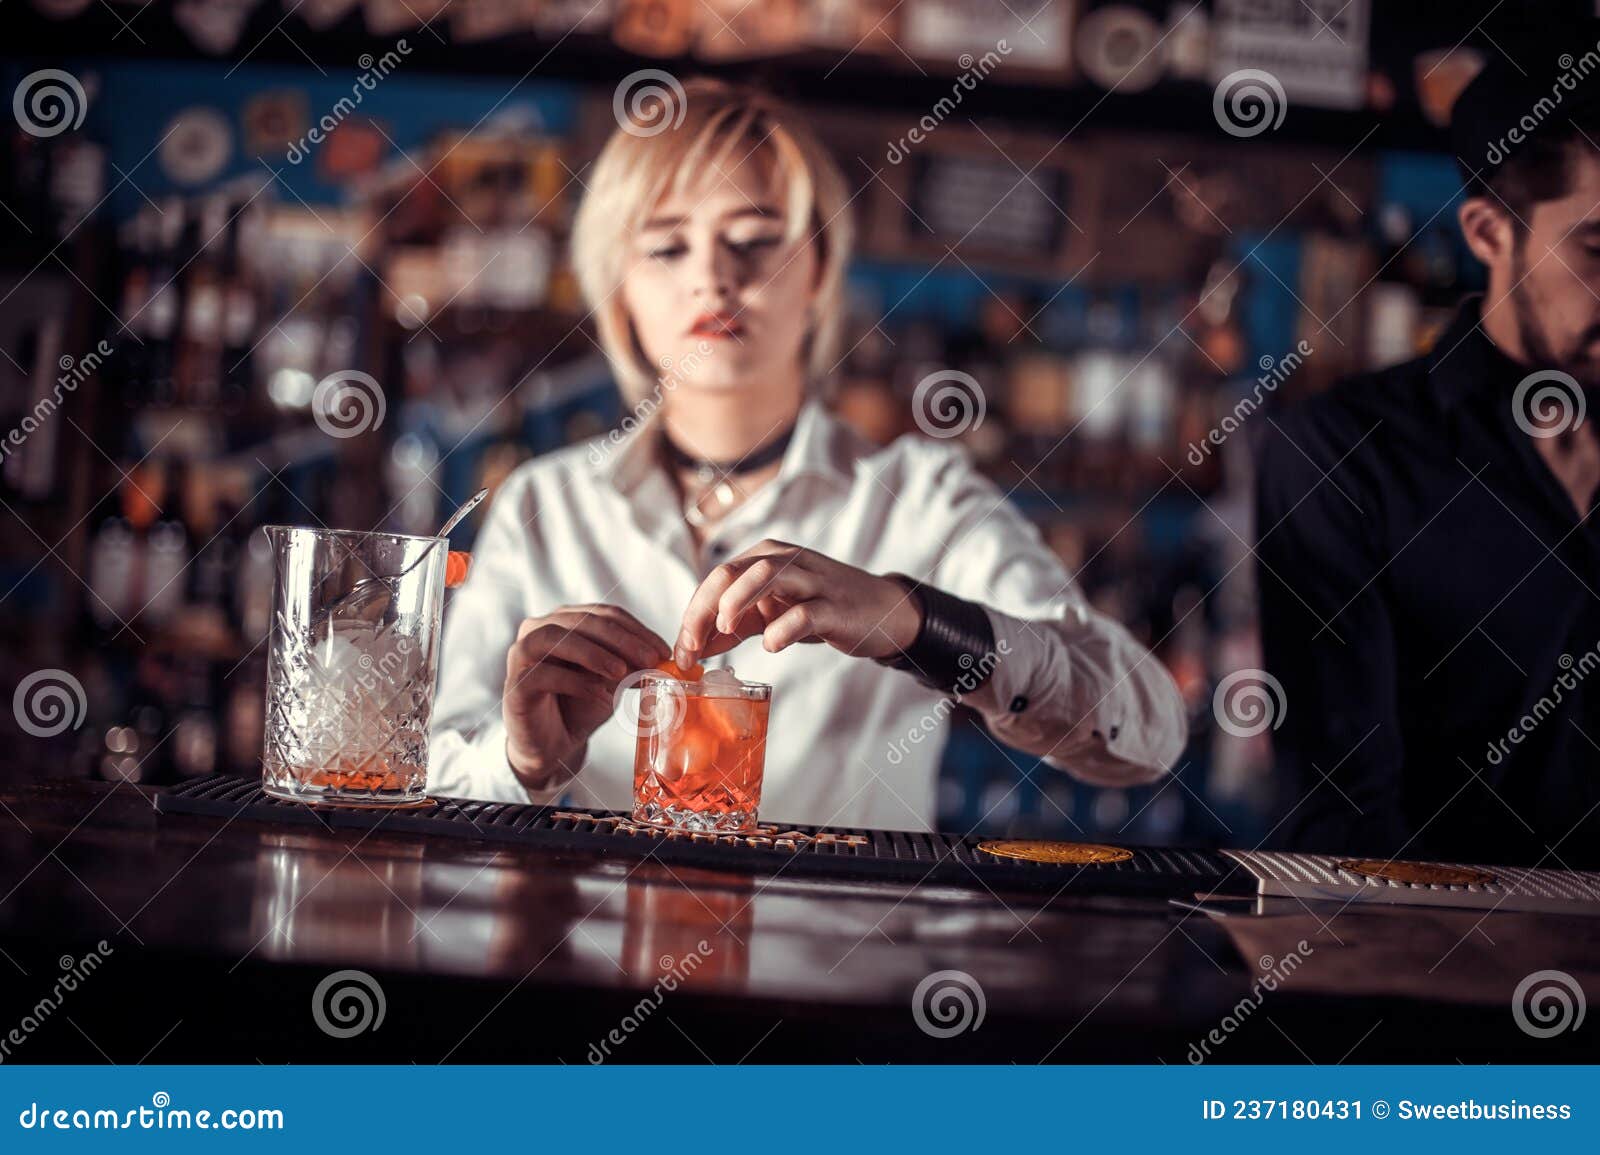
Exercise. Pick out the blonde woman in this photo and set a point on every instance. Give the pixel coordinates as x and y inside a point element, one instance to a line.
<point>736,509</point>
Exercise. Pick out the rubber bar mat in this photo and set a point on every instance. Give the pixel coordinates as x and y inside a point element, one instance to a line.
<point>797,851</point>
<point>1347,879</point>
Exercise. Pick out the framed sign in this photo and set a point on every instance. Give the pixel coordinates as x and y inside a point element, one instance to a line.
<point>1006,199</point>
<point>1035,34</point>
<point>988,205</point>
<point>1316,49</point>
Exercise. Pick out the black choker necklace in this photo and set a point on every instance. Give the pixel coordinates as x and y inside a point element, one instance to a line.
<point>716,490</point>
<point>709,470</point>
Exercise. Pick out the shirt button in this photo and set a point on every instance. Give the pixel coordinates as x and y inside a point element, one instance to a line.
<point>1019,704</point>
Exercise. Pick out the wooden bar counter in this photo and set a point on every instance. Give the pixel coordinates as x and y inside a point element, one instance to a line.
<point>219,931</point>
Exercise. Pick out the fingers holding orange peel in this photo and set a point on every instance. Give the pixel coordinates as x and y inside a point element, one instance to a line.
<point>671,668</point>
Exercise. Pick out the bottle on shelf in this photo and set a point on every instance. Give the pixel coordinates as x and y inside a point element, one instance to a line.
<point>201,319</point>
<point>161,308</point>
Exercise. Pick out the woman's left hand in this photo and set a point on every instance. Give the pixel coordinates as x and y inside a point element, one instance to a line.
<point>788,594</point>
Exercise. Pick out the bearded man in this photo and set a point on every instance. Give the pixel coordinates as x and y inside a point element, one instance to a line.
<point>1428,559</point>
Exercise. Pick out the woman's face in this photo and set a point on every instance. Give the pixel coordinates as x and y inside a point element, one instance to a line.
<point>719,299</point>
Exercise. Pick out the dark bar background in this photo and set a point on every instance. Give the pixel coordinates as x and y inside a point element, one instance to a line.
<point>1148,244</point>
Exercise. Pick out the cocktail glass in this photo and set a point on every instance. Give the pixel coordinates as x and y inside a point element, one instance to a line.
<point>700,753</point>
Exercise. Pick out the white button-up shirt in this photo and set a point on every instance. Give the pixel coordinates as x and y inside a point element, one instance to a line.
<point>850,742</point>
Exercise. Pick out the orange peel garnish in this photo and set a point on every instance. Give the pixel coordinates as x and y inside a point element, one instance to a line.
<point>672,670</point>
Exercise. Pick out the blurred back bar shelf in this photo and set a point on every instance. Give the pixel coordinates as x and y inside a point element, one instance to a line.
<point>1145,64</point>
<point>1110,281</point>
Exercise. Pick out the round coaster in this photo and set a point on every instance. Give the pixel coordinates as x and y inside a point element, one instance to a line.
<point>1083,853</point>
<point>1420,873</point>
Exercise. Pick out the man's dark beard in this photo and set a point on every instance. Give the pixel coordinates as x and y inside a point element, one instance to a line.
<point>1531,334</point>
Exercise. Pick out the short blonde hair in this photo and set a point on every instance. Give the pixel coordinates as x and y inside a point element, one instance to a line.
<point>720,124</point>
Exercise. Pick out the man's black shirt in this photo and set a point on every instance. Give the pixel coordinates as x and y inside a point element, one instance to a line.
<point>1429,604</point>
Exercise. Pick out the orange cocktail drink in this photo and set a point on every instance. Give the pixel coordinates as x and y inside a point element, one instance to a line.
<point>701,752</point>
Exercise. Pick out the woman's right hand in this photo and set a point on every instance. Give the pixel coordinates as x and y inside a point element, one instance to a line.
<point>562,674</point>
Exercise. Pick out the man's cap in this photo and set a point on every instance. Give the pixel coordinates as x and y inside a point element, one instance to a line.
<point>1534,80</point>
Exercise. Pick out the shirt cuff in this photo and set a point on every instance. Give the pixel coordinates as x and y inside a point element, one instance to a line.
<point>1012,684</point>
<point>477,768</point>
<point>1075,690</point>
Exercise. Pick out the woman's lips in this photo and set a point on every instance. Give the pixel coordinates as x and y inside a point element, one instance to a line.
<point>723,326</point>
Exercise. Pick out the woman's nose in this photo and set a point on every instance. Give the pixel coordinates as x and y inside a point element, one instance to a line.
<point>711,275</point>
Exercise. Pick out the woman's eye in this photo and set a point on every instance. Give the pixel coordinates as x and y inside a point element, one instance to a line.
<point>745,248</point>
<point>667,253</point>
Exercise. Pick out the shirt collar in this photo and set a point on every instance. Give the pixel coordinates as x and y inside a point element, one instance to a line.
<point>821,445</point>
<point>1464,360</point>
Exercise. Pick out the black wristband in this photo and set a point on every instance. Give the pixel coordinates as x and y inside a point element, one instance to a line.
<point>953,651</point>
